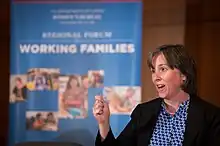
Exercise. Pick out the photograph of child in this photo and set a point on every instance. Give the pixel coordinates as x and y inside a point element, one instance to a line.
<point>43,121</point>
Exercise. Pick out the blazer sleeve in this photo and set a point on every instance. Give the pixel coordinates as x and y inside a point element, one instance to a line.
<point>127,137</point>
<point>214,133</point>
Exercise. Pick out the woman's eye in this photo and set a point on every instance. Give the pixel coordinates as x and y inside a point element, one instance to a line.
<point>163,69</point>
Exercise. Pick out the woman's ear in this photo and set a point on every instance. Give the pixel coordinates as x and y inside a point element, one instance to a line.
<point>183,77</point>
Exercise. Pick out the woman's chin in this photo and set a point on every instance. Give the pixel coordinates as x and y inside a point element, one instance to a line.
<point>163,96</point>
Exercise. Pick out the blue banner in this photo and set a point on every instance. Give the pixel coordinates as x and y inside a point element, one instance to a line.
<point>63,53</point>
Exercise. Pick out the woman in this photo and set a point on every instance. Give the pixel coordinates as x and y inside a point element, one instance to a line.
<point>20,90</point>
<point>177,117</point>
<point>72,90</point>
<point>72,97</point>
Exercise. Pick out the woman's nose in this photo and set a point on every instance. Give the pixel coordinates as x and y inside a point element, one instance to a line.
<point>157,77</point>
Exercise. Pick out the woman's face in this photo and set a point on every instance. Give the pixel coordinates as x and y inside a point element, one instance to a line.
<point>166,80</point>
<point>97,78</point>
<point>18,83</point>
<point>73,83</point>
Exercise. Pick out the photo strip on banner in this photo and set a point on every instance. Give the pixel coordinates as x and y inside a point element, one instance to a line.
<point>39,79</point>
<point>42,120</point>
<point>122,99</point>
<point>18,89</point>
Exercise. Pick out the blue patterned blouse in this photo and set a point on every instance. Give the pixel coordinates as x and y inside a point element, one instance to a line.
<point>169,129</point>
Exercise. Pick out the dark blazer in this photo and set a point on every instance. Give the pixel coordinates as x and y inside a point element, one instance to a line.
<point>202,125</point>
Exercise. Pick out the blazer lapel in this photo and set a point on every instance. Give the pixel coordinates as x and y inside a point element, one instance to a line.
<point>147,122</point>
<point>193,122</point>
